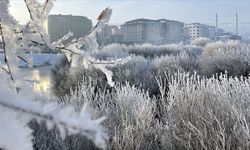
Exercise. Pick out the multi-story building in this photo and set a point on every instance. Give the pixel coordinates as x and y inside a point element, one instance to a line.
<point>109,34</point>
<point>172,31</point>
<point>59,25</point>
<point>220,31</point>
<point>211,32</point>
<point>4,4</point>
<point>228,36</point>
<point>135,31</point>
<point>115,30</point>
<point>103,36</point>
<point>152,31</point>
<point>196,30</point>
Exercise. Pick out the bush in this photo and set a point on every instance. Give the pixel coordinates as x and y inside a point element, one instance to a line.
<point>111,52</point>
<point>230,57</point>
<point>66,79</point>
<point>146,50</point>
<point>197,113</point>
<point>138,71</point>
<point>155,105</point>
<point>207,113</point>
<point>201,41</point>
<point>129,112</point>
<point>172,64</point>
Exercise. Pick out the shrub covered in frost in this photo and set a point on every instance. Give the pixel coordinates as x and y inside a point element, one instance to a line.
<point>138,71</point>
<point>196,113</point>
<point>171,64</point>
<point>207,113</point>
<point>111,51</point>
<point>146,50</point>
<point>232,57</point>
<point>201,41</point>
<point>66,79</point>
<point>129,111</point>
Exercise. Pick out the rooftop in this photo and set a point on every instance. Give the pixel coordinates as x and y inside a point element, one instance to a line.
<point>144,20</point>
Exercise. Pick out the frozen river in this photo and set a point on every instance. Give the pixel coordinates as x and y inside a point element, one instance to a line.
<point>39,79</point>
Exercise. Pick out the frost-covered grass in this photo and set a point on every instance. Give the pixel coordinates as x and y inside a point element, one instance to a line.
<point>156,105</point>
<point>215,58</point>
<point>143,90</point>
<point>226,57</point>
<point>200,42</point>
<point>145,50</point>
<point>195,113</point>
<point>208,113</point>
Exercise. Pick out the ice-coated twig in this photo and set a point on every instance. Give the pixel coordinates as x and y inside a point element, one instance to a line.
<point>103,18</point>
<point>67,121</point>
<point>6,61</point>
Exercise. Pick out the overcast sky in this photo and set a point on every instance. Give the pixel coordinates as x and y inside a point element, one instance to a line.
<point>187,11</point>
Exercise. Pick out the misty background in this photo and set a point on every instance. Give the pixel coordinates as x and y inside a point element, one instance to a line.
<point>188,11</point>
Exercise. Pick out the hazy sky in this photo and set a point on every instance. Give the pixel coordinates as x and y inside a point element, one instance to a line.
<point>182,10</point>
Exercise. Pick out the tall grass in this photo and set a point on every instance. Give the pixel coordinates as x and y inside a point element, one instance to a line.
<point>156,105</point>
<point>196,113</point>
<point>227,57</point>
<point>208,113</point>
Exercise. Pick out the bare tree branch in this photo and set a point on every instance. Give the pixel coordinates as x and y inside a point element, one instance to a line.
<point>8,70</point>
<point>50,118</point>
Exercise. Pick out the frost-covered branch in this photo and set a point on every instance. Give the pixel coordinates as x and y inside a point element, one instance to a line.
<point>103,18</point>
<point>37,10</point>
<point>6,61</point>
<point>18,111</point>
<point>65,119</point>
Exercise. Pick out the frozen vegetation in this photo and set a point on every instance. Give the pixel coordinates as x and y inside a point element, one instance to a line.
<point>169,97</point>
<point>19,106</point>
<point>188,98</point>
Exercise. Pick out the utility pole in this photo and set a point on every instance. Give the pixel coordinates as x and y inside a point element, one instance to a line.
<point>237,24</point>
<point>216,28</point>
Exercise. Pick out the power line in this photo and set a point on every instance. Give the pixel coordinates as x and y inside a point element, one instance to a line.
<point>227,23</point>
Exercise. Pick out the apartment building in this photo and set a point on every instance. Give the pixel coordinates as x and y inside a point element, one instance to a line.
<point>60,25</point>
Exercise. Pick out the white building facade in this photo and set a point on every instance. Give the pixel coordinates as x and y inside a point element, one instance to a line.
<point>152,31</point>
<point>196,30</point>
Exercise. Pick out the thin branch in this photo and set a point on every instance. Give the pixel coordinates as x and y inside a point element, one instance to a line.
<point>31,17</point>
<point>105,63</point>
<point>21,32</point>
<point>50,118</point>
<point>58,49</point>
<point>8,71</point>
<point>23,59</point>
<point>29,10</point>
<point>46,4</point>
<point>83,38</point>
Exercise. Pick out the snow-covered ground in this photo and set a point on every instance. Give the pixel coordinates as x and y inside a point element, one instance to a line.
<point>37,60</point>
